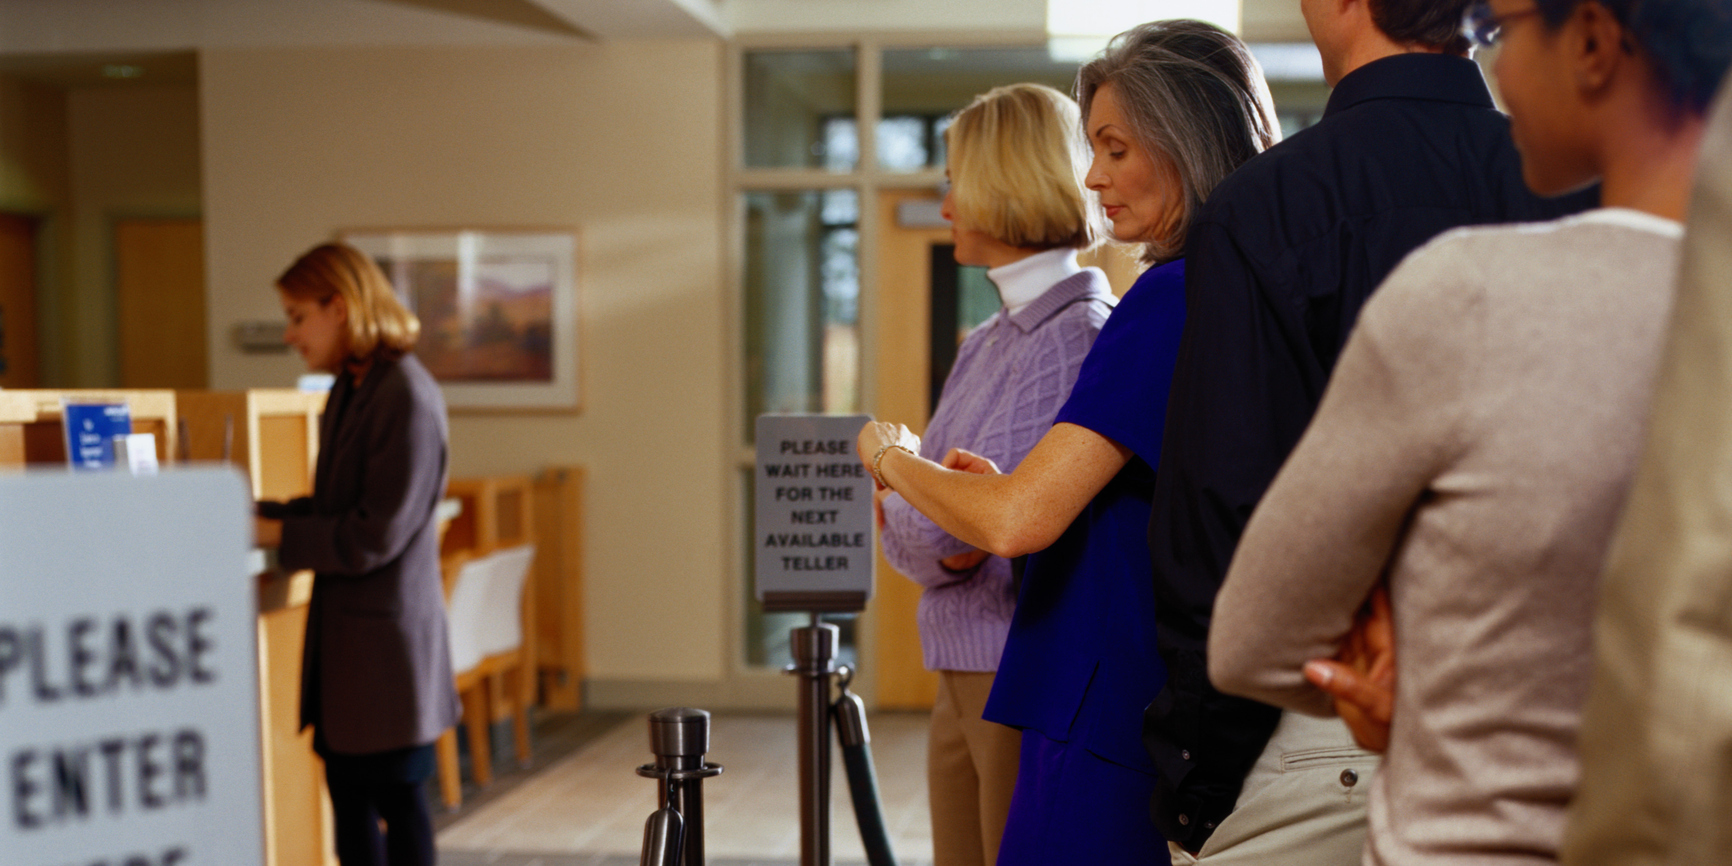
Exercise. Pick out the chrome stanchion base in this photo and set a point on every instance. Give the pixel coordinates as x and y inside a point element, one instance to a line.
<point>674,833</point>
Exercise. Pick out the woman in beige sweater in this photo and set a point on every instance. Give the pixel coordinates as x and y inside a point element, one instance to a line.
<point>1477,438</point>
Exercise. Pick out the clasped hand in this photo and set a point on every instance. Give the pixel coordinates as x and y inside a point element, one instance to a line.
<point>1361,677</point>
<point>878,435</point>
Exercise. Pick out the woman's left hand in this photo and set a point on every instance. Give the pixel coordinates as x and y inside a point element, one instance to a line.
<point>877,435</point>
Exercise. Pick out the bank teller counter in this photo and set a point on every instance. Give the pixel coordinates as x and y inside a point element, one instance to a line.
<point>31,428</point>
<point>272,436</point>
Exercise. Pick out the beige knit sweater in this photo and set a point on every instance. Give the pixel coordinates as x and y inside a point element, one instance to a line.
<point>1475,445</point>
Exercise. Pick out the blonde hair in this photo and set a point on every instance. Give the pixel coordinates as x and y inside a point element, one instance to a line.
<point>379,326</point>
<point>1016,168</point>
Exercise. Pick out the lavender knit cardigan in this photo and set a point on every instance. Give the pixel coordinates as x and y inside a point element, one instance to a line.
<point>1012,374</point>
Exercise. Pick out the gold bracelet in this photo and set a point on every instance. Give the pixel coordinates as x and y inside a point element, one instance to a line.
<point>879,458</point>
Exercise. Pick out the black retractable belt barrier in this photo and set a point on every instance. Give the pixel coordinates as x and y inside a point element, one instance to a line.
<point>856,740</point>
<point>674,833</point>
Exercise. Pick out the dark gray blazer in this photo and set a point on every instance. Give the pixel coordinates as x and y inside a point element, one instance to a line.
<point>376,671</point>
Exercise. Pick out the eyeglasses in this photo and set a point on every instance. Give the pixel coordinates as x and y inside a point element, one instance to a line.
<point>1484,28</point>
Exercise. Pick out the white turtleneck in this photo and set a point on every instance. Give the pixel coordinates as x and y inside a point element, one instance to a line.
<point>1022,281</point>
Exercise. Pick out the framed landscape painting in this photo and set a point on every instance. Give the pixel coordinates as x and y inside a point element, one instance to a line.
<point>498,310</point>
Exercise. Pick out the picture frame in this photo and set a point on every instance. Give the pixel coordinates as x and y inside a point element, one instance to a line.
<point>498,310</point>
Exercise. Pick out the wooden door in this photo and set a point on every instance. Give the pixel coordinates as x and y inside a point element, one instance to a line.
<point>159,281</point>
<point>18,353</point>
<point>902,363</point>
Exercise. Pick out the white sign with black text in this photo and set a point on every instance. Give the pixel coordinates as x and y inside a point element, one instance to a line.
<point>129,705</point>
<point>814,513</point>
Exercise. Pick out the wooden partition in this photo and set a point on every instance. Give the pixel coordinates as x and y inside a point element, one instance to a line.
<point>498,511</point>
<point>16,410</point>
<point>272,435</point>
<point>30,421</point>
<point>559,586</point>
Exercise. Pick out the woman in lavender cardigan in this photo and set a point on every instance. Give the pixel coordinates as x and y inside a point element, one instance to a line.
<point>1017,206</point>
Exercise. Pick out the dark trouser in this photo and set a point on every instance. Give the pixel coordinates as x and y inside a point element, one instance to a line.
<point>383,786</point>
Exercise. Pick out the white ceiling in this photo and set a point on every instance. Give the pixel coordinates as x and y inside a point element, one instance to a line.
<point>55,26</point>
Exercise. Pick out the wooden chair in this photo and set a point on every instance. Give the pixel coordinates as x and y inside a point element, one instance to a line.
<point>489,659</point>
<point>488,551</point>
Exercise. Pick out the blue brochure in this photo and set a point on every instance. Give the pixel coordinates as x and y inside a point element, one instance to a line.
<point>90,432</point>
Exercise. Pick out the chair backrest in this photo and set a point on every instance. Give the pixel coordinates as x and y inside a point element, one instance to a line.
<point>485,607</point>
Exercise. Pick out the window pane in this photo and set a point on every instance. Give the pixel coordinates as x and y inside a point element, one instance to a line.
<point>977,299</point>
<point>802,295</point>
<point>923,86</point>
<point>903,143</point>
<point>1298,104</point>
<point>800,110</point>
<point>841,147</point>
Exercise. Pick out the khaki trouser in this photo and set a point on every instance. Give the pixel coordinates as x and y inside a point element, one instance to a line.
<point>970,772</point>
<point>1303,803</point>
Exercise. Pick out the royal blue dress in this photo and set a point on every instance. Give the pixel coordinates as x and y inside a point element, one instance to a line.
<point>1081,662</point>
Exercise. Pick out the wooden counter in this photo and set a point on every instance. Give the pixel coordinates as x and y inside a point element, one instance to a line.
<point>31,432</point>
<point>298,829</point>
<point>272,435</point>
<point>17,408</point>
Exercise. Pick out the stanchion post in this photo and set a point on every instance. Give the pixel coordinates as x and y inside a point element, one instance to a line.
<point>679,737</point>
<point>814,650</point>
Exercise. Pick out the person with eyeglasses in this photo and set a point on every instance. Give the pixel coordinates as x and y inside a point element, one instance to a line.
<point>1472,453</point>
<point>1279,261</point>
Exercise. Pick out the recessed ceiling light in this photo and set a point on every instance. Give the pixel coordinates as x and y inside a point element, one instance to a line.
<point>1078,29</point>
<point>122,70</point>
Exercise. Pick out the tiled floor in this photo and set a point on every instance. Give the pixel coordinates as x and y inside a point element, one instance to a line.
<point>588,807</point>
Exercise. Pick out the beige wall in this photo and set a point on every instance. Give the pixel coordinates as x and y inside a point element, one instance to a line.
<point>76,159</point>
<point>134,152</point>
<point>621,140</point>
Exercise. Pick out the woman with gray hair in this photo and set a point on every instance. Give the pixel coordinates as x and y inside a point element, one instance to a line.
<point>1169,110</point>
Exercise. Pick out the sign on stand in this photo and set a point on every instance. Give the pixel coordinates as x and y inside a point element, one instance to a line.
<point>814,514</point>
<point>129,704</point>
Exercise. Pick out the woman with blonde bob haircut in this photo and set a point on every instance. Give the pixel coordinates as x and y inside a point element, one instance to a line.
<point>1015,171</point>
<point>1017,207</point>
<point>376,670</point>
<point>1080,660</point>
